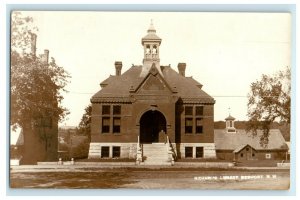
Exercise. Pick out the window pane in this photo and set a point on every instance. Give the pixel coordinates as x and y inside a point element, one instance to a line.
<point>188,125</point>
<point>116,110</point>
<point>199,152</point>
<point>198,121</point>
<point>105,124</point>
<point>188,122</point>
<point>116,152</point>
<point>117,121</point>
<point>199,110</point>
<point>105,110</point>
<point>199,129</point>
<point>188,110</point>
<point>116,125</point>
<point>188,152</point>
<point>105,121</point>
<point>104,152</point>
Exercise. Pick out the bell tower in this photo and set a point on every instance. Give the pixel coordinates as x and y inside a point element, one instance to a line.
<point>151,43</point>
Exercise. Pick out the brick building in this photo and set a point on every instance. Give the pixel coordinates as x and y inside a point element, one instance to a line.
<point>151,112</point>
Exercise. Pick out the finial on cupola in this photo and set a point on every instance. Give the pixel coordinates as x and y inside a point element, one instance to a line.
<point>230,123</point>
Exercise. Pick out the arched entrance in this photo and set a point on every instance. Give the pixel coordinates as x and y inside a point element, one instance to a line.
<point>151,125</point>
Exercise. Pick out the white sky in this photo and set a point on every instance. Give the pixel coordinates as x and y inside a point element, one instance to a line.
<point>224,51</point>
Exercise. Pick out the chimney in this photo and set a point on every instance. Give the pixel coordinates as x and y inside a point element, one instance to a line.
<point>46,56</point>
<point>118,66</point>
<point>33,44</point>
<point>181,68</point>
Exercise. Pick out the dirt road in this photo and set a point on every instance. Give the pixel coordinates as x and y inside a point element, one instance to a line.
<point>154,178</point>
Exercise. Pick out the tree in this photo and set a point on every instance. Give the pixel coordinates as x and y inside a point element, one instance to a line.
<point>268,101</point>
<point>36,85</point>
<point>84,127</point>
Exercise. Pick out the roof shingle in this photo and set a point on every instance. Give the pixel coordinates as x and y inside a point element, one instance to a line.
<point>120,86</point>
<point>232,141</point>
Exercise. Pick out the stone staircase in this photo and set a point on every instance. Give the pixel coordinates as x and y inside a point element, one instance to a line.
<point>155,154</point>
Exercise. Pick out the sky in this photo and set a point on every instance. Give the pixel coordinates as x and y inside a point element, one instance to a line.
<point>225,52</point>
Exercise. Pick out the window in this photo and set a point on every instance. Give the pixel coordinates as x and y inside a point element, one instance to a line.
<point>193,119</point>
<point>188,152</point>
<point>199,127</point>
<point>105,124</point>
<point>111,120</point>
<point>104,152</point>
<point>188,125</point>
<point>154,50</point>
<point>242,155</point>
<point>199,110</point>
<point>116,110</point>
<point>116,152</point>
<point>188,110</point>
<point>247,149</point>
<point>105,110</point>
<point>148,49</point>
<point>230,123</point>
<point>199,152</point>
<point>116,125</point>
<point>268,156</point>
<point>253,155</point>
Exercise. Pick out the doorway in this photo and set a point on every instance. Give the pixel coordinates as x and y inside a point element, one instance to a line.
<point>151,125</point>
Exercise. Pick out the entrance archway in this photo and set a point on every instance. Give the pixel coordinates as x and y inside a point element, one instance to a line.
<point>151,124</point>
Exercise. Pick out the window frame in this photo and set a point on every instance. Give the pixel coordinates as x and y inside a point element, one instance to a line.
<point>105,126</point>
<point>201,110</point>
<point>268,156</point>
<point>115,109</point>
<point>188,129</point>
<point>202,152</point>
<point>185,152</point>
<point>102,151</point>
<point>200,126</point>
<point>114,112</point>
<point>116,128</point>
<point>196,113</point>
<point>190,108</point>
<point>114,151</point>
<point>103,110</point>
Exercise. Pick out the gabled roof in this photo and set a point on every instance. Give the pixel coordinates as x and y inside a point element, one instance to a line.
<point>119,88</point>
<point>240,148</point>
<point>154,72</point>
<point>232,141</point>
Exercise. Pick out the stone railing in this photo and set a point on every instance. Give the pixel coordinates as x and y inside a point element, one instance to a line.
<point>170,151</point>
<point>139,152</point>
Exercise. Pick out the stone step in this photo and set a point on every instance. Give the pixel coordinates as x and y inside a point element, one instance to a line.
<point>164,147</point>
<point>156,156</point>
<point>157,163</point>
<point>153,151</point>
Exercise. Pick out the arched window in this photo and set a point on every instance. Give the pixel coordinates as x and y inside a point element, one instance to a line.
<point>154,50</point>
<point>148,49</point>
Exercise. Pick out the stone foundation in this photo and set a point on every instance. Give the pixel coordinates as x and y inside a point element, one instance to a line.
<point>129,150</point>
<point>209,150</point>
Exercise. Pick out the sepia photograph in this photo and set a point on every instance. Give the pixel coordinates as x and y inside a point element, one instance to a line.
<point>150,100</point>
